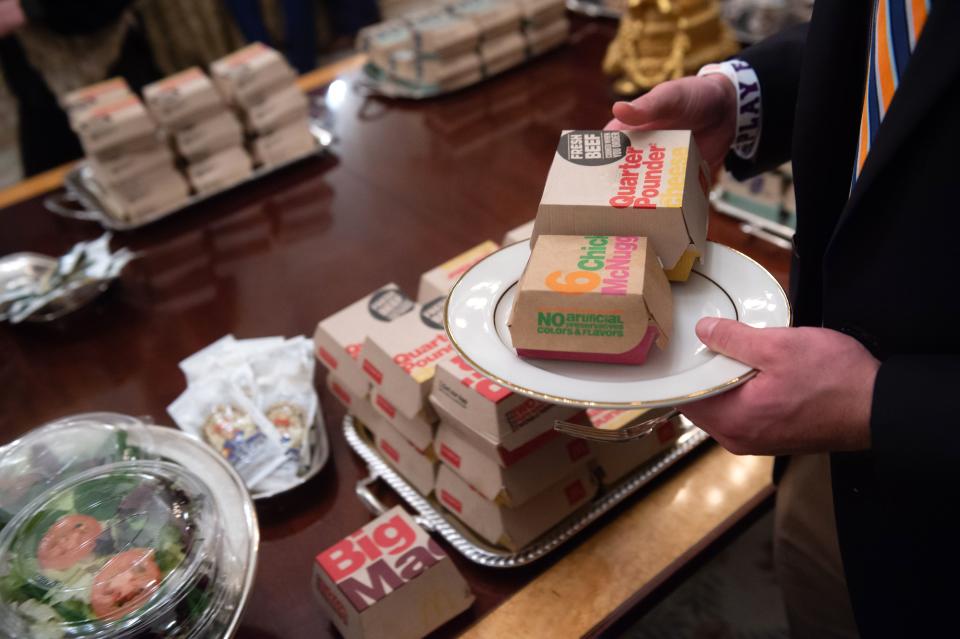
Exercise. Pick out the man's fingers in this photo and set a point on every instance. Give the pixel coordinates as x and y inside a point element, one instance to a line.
<point>754,347</point>
<point>662,105</point>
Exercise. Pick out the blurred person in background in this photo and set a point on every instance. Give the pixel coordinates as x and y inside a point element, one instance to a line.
<point>51,47</point>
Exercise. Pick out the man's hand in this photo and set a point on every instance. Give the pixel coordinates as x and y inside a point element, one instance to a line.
<point>813,393</point>
<point>11,16</point>
<point>706,105</point>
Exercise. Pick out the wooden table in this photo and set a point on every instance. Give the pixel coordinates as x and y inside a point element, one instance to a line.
<point>408,186</point>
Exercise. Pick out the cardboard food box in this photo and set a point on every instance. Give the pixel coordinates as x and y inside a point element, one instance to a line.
<point>389,579</point>
<point>250,71</point>
<point>94,95</point>
<point>401,359</point>
<point>647,183</point>
<point>502,423</point>
<point>380,41</point>
<point>439,33</point>
<point>222,169</point>
<point>203,138</point>
<point>339,338</point>
<point>146,194</point>
<point>514,528</point>
<point>291,141</point>
<point>516,484</point>
<point>592,298</point>
<point>356,406</point>
<point>418,430</point>
<point>617,459</point>
<point>110,169</point>
<point>183,98</point>
<point>540,12</point>
<point>439,281</point>
<point>503,52</point>
<point>272,110</point>
<point>418,468</point>
<point>522,232</point>
<point>493,18</point>
<point>443,72</point>
<point>542,37</point>
<point>119,123</point>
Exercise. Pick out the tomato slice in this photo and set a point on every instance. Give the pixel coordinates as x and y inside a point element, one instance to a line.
<point>124,583</point>
<point>70,539</point>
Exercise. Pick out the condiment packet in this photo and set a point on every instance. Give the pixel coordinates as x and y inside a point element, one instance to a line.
<point>218,411</point>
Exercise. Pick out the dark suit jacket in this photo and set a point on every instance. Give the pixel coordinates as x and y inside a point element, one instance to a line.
<point>880,264</point>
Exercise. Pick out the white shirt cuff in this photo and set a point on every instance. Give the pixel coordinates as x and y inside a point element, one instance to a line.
<point>746,139</point>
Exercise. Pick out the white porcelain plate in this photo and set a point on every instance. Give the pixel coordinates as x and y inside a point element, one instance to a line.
<point>726,284</point>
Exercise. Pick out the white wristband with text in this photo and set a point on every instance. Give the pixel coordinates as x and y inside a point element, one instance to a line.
<point>746,139</point>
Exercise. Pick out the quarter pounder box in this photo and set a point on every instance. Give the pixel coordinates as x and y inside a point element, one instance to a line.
<point>356,406</point>
<point>122,122</point>
<point>439,281</point>
<point>183,98</point>
<point>514,528</point>
<point>93,95</point>
<point>417,467</point>
<point>146,194</point>
<point>380,41</point>
<point>493,18</point>
<point>389,579</point>
<point>442,72</point>
<point>339,338</point>
<point>291,141</point>
<point>439,33</point>
<point>643,183</point>
<point>418,430</point>
<point>503,52</point>
<point>522,480</point>
<point>203,138</point>
<point>593,298</point>
<point>248,72</point>
<point>540,12</point>
<point>273,109</point>
<point>220,170</point>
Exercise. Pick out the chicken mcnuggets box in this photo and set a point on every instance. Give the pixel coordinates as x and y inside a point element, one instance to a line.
<point>543,37</point>
<point>248,72</point>
<point>119,123</point>
<point>522,480</point>
<point>595,298</point>
<point>271,110</point>
<point>418,430</point>
<point>439,33</point>
<point>514,528</point>
<point>542,12</point>
<point>419,468</point>
<point>113,168</point>
<point>446,72</point>
<point>389,579</point>
<point>401,358</point>
<point>338,340</point>
<point>93,95</point>
<point>503,52</point>
<point>617,459</point>
<point>289,142</point>
<point>381,40</point>
<point>501,423</point>
<point>439,281</point>
<point>356,406</point>
<point>220,170</point>
<point>493,17</point>
<point>203,138</point>
<point>146,194</point>
<point>183,98</point>
<point>522,232</point>
<point>647,183</point>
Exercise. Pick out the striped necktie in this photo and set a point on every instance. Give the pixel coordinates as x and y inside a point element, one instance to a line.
<point>897,25</point>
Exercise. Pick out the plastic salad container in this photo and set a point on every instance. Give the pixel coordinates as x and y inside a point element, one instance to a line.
<point>60,449</point>
<point>129,549</point>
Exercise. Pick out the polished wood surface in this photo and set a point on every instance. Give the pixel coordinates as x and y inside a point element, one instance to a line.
<point>407,186</point>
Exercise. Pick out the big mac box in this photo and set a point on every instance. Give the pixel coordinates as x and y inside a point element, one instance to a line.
<point>439,281</point>
<point>182,98</point>
<point>417,467</point>
<point>522,480</point>
<point>651,184</point>
<point>339,338</point>
<point>617,459</point>
<point>245,74</point>
<point>514,528</point>
<point>594,298</point>
<point>389,579</point>
<point>401,358</point>
<point>503,425</point>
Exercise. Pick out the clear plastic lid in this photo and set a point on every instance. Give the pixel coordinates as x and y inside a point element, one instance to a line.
<point>124,550</point>
<point>60,449</point>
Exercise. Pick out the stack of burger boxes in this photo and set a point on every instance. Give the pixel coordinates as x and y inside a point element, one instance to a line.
<point>500,44</point>
<point>205,133</point>
<point>438,282</point>
<point>442,51</point>
<point>260,84</point>
<point>545,24</point>
<point>126,150</point>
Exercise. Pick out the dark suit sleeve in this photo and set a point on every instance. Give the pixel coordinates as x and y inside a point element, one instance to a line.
<point>914,423</point>
<point>73,16</point>
<point>776,61</point>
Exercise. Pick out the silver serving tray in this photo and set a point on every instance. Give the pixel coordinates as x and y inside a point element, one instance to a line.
<point>431,516</point>
<point>82,198</point>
